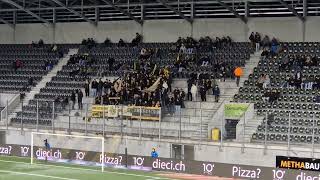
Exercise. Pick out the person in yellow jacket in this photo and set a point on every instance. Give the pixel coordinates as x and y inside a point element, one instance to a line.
<point>238,72</point>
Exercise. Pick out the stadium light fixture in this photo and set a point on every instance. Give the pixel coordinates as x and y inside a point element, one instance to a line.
<point>26,10</point>
<point>123,11</point>
<point>75,12</point>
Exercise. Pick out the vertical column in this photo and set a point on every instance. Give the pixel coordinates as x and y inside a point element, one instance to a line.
<point>54,20</point>
<point>313,129</point>
<point>142,13</point>
<point>53,116</point>
<point>247,9</point>
<point>102,153</point>
<point>37,116</point>
<point>69,120</point>
<point>31,152</point>
<point>140,124</point>
<point>22,117</point>
<point>265,133</point>
<point>14,25</point>
<point>159,127</point>
<point>97,14</point>
<point>305,14</point>
<point>7,115</point>
<point>86,121</point>
<point>289,132</point>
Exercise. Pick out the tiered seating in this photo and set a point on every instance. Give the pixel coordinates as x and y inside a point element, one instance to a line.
<point>34,66</point>
<point>33,60</point>
<point>297,105</point>
<point>63,84</point>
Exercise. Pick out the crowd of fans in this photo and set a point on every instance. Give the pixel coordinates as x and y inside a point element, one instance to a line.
<point>149,86</point>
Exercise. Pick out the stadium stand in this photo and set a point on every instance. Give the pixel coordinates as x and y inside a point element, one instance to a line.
<point>288,101</point>
<point>94,62</point>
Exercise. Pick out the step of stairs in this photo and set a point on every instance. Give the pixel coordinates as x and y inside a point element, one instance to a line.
<point>35,90</point>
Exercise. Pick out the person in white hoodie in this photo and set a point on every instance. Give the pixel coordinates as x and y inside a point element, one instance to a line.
<point>194,90</point>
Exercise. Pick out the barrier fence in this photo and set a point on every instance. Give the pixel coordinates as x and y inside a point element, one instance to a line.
<point>146,163</point>
<point>199,125</point>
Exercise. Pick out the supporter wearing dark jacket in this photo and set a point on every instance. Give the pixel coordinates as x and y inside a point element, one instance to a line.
<point>73,99</point>
<point>94,86</point>
<point>87,88</point>
<point>216,93</point>
<point>80,96</point>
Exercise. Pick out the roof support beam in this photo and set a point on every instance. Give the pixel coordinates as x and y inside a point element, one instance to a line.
<point>6,22</point>
<point>54,16</point>
<point>245,20</point>
<point>27,11</point>
<point>142,12</point>
<point>291,9</point>
<point>193,11</point>
<point>247,9</point>
<point>74,12</point>
<point>123,11</point>
<point>14,17</point>
<point>175,11</point>
<point>97,14</point>
<point>305,8</point>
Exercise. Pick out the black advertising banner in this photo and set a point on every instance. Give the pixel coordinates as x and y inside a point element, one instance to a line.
<point>147,163</point>
<point>298,163</point>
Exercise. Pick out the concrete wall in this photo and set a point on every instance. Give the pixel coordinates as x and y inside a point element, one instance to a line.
<point>4,97</point>
<point>285,28</point>
<point>230,152</point>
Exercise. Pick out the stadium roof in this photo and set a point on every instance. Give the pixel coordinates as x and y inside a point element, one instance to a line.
<point>52,11</point>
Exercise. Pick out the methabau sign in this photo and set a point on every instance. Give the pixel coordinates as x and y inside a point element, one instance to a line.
<point>147,163</point>
<point>298,163</point>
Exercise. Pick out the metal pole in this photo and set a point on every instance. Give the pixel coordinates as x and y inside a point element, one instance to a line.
<point>37,115</point>
<point>52,123</point>
<point>200,125</point>
<point>313,128</point>
<point>140,124</point>
<point>31,153</point>
<point>265,134</point>
<point>289,129</point>
<point>244,134</point>
<point>102,165</point>
<point>121,129</point>
<point>103,116</point>
<point>180,124</point>
<point>69,120</point>
<point>221,129</point>
<point>159,126</point>
<point>7,113</point>
<point>86,121</point>
<point>21,117</point>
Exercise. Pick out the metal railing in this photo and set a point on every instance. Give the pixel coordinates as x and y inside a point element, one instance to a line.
<point>184,125</point>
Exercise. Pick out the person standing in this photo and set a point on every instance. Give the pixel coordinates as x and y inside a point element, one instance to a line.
<point>73,99</point>
<point>251,38</point>
<point>194,91</point>
<point>257,39</point>
<point>94,86</point>
<point>203,92</point>
<point>86,88</point>
<point>216,93</point>
<point>100,87</point>
<point>80,96</point>
<point>238,73</point>
<point>189,95</point>
<point>154,153</point>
